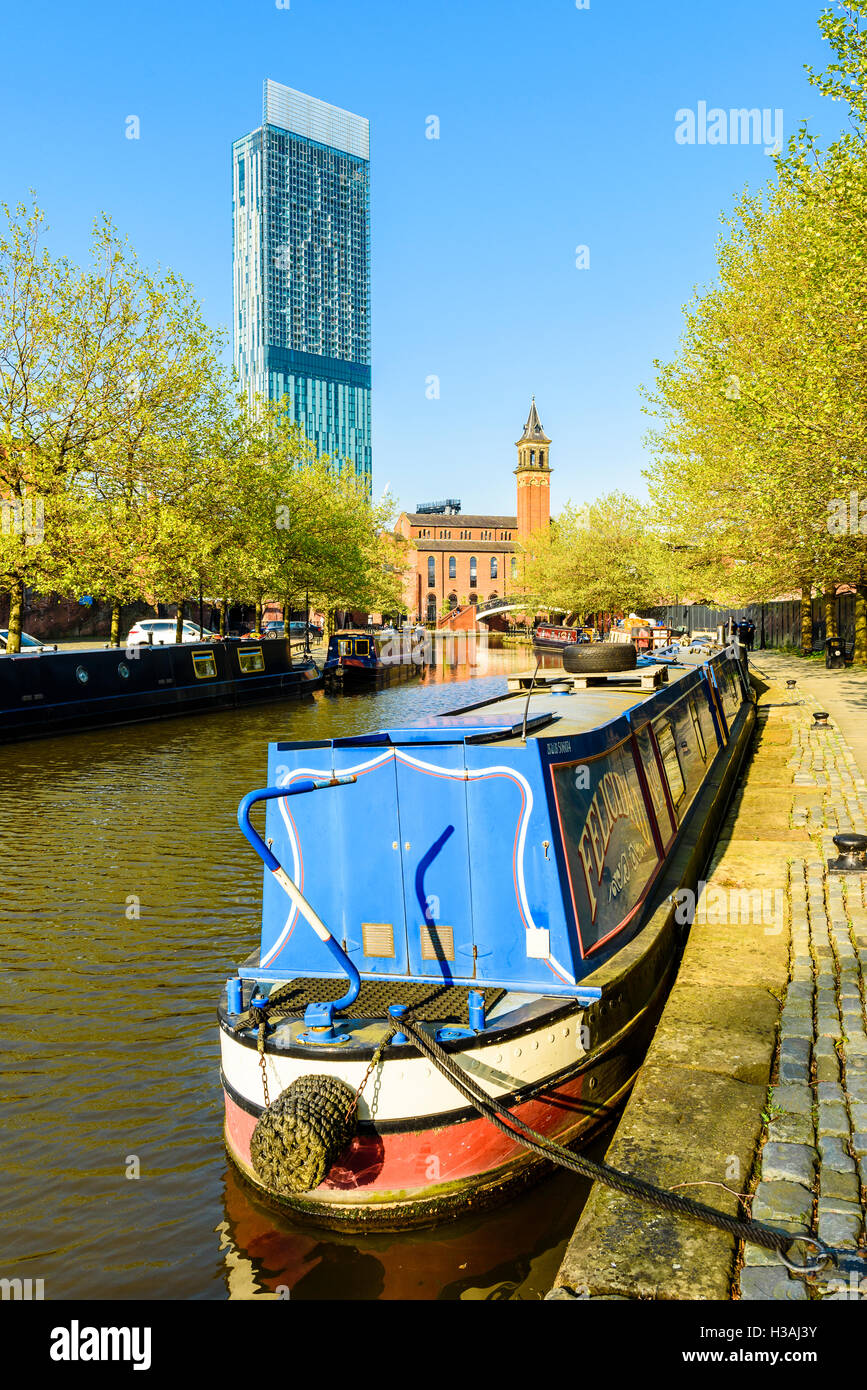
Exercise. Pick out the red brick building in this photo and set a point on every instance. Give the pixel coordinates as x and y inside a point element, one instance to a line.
<point>463,559</point>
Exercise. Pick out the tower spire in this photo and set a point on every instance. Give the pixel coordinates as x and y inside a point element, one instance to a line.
<point>533,474</point>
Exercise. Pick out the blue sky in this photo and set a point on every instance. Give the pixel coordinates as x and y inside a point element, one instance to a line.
<point>557,130</point>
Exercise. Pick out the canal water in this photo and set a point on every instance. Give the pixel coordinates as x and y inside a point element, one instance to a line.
<point>127,893</point>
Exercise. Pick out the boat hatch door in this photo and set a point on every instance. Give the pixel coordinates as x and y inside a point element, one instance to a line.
<point>432,801</point>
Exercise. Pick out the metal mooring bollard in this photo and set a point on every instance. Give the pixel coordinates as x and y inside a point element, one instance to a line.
<point>820,720</point>
<point>852,858</point>
<point>790,685</point>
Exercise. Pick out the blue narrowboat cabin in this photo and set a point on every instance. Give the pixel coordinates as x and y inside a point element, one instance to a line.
<point>506,874</point>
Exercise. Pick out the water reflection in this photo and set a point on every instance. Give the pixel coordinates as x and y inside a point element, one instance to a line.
<point>512,1252</point>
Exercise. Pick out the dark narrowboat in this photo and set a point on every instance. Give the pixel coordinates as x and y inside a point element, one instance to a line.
<point>357,657</point>
<point>58,692</point>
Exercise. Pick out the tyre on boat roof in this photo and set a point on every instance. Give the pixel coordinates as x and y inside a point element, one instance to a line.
<point>600,656</point>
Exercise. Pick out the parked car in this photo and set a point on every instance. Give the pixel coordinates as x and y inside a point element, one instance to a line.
<point>163,630</point>
<point>28,643</point>
<point>297,629</point>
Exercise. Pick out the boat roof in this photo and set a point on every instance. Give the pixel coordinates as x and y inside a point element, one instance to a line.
<point>556,713</point>
<point>577,711</point>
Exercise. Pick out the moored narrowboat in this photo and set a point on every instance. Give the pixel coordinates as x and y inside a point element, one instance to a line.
<point>58,692</point>
<point>358,657</point>
<point>503,877</point>
<point>548,635</point>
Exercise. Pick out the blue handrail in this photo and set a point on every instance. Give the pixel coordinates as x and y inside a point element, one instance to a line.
<point>290,887</point>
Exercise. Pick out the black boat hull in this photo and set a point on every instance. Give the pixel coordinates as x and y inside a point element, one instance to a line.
<point>69,691</point>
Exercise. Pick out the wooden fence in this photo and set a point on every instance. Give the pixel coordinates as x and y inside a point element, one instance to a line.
<point>777,624</point>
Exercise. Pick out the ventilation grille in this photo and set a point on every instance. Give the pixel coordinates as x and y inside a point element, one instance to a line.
<point>437,943</point>
<point>378,938</point>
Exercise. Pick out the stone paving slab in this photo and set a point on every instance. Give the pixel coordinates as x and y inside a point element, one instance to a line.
<point>695,1115</point>
<point>686,1126</point>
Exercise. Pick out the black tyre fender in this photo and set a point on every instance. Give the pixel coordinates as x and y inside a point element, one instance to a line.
<point>600,657</point>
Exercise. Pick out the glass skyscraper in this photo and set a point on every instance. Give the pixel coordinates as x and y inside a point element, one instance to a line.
<point>301,262</point>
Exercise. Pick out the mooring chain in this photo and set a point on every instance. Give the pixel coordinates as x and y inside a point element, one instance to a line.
<point>260,1048</point>
<point>374,1062</point>
<point>499,1115</point>
<point>259,1016</point>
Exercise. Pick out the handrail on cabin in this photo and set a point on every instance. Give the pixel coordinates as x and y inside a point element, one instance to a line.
<point>272,863</point>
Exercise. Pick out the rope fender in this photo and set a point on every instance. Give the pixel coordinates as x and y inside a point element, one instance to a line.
<point>298,1137</point>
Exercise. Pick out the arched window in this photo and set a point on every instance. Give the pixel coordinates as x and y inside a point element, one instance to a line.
<point>514,567</point>
<point>453,567</point>
<point>493,566</point>
<point>453,600</point>
<point>431,609</point>
<point>541,458</point>
<point>473,571</point>
<point>532,457</point>
<point>431,573</point>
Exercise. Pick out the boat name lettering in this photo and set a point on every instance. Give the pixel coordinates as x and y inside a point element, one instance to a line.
<point>613,800</point>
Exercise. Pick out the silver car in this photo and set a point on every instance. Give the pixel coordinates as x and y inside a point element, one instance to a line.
<point>163,630</point>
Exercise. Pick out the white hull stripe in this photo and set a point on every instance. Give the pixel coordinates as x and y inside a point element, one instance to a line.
<point>413,1087</point>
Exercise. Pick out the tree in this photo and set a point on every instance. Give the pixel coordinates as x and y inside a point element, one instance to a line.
<point>605,557</point>
<point>59,334</point>
<point>142,495</point>
<point>762,416</point>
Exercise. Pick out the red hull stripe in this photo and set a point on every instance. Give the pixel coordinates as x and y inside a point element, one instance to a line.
<point>413,1161</point>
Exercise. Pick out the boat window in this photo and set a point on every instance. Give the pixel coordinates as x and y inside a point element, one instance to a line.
<point>696,724</point>
<point>250,659</point>
<point>362,646</point>
<point>344,646</point>
<point>670,761</point>
<point>204,665</point>
<point>729,687</point>
<point>651,772</point>
<point>664,818</point>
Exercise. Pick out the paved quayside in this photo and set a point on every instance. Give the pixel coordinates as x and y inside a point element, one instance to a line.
<point>776,999</point>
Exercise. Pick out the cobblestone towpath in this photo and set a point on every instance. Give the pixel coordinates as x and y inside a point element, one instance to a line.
<point>813,1161</point>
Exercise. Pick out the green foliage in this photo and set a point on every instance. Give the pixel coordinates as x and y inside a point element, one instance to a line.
<point>151,477</point>
<point>613,555</point>
<point>760,429</point>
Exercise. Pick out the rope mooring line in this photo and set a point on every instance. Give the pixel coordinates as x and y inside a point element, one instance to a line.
<point>755,1232</point>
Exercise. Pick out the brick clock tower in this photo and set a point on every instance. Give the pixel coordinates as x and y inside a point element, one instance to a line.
<point>534,476</point>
